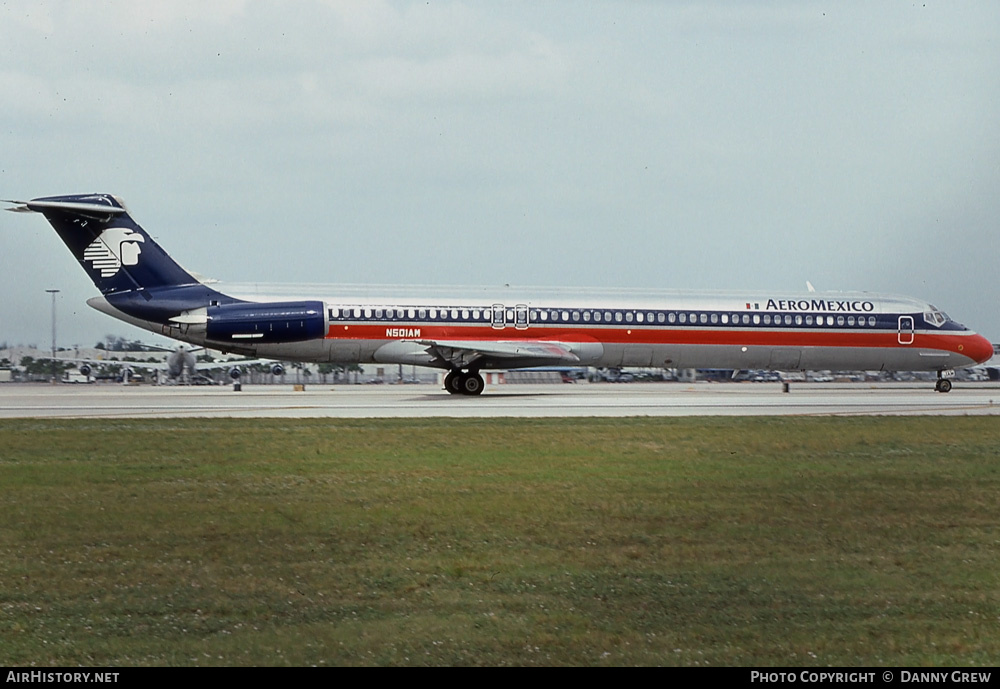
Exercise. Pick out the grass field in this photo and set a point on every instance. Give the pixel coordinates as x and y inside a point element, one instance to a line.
<point>721,541</point>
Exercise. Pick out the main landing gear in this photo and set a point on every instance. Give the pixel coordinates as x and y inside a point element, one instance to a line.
<point>464,383</point>
<point>944,381</point>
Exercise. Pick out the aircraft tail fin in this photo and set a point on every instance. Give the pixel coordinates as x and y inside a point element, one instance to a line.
<point>118,255</point>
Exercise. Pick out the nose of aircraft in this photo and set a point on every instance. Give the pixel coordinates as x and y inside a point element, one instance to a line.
<point>978,349</point>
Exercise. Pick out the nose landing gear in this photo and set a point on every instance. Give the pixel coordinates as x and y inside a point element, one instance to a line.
<point>944,381</point>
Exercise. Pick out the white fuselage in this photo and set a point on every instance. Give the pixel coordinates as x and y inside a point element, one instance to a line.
<point>810,331</point>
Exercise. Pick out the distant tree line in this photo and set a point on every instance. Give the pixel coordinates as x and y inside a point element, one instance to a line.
<point>44,367</point>
<point>116,343</point>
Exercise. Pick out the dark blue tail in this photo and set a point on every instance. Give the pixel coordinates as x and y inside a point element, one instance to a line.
<point>132,272</point>
<point>117,254</point>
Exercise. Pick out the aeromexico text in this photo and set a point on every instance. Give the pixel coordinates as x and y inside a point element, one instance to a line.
<point>834,305</point>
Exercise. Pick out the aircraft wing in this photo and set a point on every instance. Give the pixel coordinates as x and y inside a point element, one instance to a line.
<point>165,366</point>
<point>229,363</point>
<point>150,365</point>
<point>466,353</point>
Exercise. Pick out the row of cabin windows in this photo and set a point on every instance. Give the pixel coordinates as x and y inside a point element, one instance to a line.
<point>597,316</point>
<point>356,313</point>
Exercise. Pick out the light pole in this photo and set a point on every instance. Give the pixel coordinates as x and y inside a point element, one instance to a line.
<point>53,292</point>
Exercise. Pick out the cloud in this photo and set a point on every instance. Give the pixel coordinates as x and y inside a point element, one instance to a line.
<point>702,144</point>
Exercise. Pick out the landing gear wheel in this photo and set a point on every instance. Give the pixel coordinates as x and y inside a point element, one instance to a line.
<point>943,385</point>
<point>471,383</point>
<point>451,382</point>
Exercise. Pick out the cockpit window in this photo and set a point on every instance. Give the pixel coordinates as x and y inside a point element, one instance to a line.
<point>935,318</point>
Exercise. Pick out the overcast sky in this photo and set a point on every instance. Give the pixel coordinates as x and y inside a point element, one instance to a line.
<point>718,145</point>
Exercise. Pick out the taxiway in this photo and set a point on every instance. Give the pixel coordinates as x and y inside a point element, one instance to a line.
<point>583,400</point>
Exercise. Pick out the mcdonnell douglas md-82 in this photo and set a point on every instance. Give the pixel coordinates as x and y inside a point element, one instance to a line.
<point>502,329</point>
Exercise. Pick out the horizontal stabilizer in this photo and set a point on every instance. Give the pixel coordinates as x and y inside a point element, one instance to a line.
<point>19,207</point>
<point>40,206</point>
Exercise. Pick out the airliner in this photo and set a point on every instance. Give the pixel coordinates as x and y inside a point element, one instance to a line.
<point>180,366</point>
<point>499,328</point>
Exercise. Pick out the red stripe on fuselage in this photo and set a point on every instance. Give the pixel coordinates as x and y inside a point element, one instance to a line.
<point>812,337</point>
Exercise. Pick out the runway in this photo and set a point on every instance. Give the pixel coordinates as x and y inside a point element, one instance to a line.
<point>108,401</point>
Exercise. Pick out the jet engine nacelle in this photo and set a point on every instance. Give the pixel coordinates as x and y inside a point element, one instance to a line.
<point>287,321</point>
<point>235,373</point>
<point>277,370</point>
<point>84,369</point>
